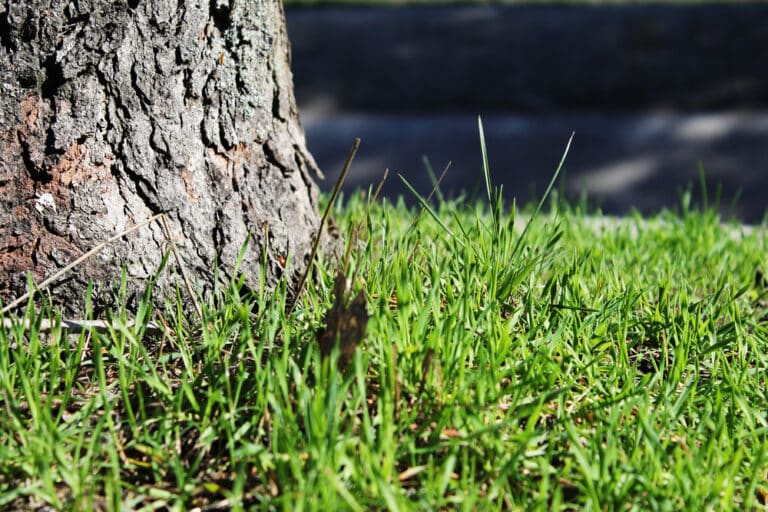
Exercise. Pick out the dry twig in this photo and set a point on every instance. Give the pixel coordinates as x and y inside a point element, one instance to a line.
<point>55,277</point>
<point>184,276</point>
<point>328,208</point>
<point>76,326</point>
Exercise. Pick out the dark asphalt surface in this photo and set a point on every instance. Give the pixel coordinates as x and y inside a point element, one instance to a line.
<point>411,82</point>
<point>621,162</point>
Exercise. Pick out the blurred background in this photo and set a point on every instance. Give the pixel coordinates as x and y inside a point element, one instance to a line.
<point>657,94</point>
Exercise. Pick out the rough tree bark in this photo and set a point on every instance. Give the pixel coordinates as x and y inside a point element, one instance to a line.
<point>114,111</point>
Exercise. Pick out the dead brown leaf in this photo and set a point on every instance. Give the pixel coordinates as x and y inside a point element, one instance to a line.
<point>345,323</point>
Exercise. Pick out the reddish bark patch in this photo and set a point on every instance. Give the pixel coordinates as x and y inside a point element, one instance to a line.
<point>189,186</point>
<point>33,234</point>
<point>30,114</point>
<point>70,169</point>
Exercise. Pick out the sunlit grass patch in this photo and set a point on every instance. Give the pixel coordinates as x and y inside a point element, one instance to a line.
<point>588,364</point>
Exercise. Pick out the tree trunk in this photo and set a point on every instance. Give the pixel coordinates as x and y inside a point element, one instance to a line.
<point>114,111</point>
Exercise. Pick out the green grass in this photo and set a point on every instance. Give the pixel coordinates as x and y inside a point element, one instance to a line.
<point>610,365</point>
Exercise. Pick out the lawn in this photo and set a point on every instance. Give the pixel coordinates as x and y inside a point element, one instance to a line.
<point>511,361</point>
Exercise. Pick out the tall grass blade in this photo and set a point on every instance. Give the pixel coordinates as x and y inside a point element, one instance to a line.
<point>429,209</point>
<point>545,196</point>
<point>495,211</point>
